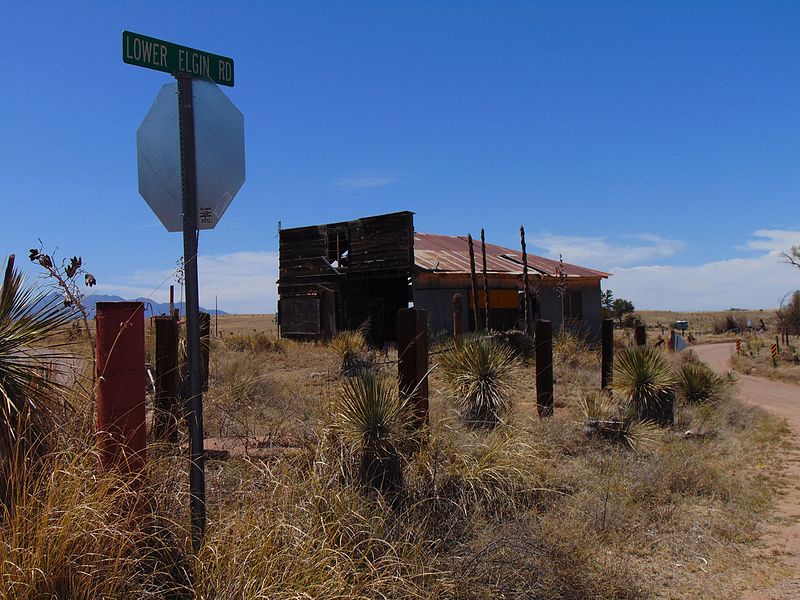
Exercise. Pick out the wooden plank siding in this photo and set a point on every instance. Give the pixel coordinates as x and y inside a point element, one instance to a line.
<point>367,263</point>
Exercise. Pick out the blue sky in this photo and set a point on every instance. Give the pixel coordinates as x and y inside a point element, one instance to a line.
<point>657,141</point>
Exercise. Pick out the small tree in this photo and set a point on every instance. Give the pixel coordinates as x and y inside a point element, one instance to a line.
<point>793,256</point>
<point>607,301</point>
<point>621,307</point>
<point>789,314</point>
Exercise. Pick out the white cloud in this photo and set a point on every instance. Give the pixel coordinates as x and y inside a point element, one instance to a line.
<point>243,281</point>
<point>754,282</point>
<point>601,253</point>
<point>361,183</point>
<point>775,241</point>
<point>758,279</point>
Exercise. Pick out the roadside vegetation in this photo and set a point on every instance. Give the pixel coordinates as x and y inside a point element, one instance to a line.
<point>605,500</point>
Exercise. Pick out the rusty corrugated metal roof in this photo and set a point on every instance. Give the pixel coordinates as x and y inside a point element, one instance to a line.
<point>450,254</point>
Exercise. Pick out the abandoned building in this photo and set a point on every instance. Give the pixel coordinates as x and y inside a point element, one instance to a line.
<point>340,275</point>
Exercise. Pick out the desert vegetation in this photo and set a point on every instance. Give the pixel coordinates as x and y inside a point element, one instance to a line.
<point>328,494</point>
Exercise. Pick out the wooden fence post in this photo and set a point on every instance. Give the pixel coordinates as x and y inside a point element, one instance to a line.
<point>205,347</point>
<point>458,326</point>
<point>544,368</point>
<point>607,369</point>
<point>412,363</point>
<point>167,407</point>
<point>640,336</point>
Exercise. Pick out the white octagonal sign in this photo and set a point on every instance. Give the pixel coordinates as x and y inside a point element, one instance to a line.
<point>219,143</point>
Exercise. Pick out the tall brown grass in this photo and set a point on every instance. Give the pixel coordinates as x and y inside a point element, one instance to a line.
<point>526,509</point>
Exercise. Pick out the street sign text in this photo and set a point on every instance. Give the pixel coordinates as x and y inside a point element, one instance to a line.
<point>151,53</point>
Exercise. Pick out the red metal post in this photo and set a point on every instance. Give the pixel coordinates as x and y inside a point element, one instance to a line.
<point>121,429</point>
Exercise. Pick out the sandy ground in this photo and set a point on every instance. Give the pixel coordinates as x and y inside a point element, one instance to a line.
<point>782,540</point>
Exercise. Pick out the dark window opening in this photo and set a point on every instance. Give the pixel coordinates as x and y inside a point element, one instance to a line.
<point>573,305</point>
<point>338,248</point>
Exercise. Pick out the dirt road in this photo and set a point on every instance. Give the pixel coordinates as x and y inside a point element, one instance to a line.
<point>782,541</point>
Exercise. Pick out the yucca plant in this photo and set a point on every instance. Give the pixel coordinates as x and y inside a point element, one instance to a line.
<point>28,392</point>
<point>352,347</point>
<point>698,383</point>
<point>373,421</point>
<point>478,372</point>
<point>618,423</point>
<point>645,381</point>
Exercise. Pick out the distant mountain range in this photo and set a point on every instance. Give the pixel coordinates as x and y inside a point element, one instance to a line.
<point>151,307</point>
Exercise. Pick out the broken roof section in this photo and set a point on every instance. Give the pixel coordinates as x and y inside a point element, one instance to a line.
<point>450,254</point>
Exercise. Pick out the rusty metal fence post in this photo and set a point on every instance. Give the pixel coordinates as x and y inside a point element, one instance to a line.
<point>607,368</point>
<point>544,368</point>
<point>121,429</point>
<point>412,364</point>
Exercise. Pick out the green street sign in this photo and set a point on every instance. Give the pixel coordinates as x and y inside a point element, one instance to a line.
<point>144,51</point>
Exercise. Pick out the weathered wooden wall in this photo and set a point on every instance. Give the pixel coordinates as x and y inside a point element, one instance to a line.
<point>367,263</point>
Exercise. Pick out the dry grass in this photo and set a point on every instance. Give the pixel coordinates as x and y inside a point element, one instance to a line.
<point>244,324</point>
<point>530,509</point>
<point>254,342</point>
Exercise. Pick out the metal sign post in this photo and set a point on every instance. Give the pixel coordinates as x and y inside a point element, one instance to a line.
<point>197,478</point>
<point>192,195</point>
